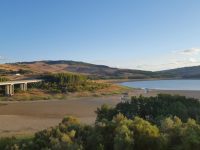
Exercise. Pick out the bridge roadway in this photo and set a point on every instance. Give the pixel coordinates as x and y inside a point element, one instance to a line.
<point>10,85</point>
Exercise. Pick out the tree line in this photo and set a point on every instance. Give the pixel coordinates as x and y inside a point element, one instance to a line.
<point>69,82</point>
<point>155,108</point>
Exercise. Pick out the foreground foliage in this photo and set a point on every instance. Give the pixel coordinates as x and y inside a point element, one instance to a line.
<point>154,109</point>
<point>120,132</point>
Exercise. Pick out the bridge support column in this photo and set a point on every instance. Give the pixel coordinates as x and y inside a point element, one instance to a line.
<point>23,86</point>
<point>9,90</point>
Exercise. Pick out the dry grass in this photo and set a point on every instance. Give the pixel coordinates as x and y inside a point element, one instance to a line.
<point>38,67</point>
<point>113,89</point>
<point>33,94</point>
<point>39,94</point>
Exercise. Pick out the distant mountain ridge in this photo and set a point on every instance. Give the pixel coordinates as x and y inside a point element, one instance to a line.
<point>96,71</point>
<point>184,72</point>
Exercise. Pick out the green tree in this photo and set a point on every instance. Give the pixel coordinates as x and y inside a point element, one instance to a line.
<point>123,135</point>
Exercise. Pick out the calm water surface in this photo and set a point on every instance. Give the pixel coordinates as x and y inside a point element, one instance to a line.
<point>166,84</point>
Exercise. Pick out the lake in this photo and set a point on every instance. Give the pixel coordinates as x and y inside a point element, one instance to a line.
<point>165,84</point>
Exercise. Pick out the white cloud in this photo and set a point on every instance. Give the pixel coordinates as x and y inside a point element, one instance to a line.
<point>176,59</point>
<point>168,65</point>
<point>167,60</point>
<point>193,60</point>
<point>191,51</point>
<point>5,60</point>
<point>2,58</point>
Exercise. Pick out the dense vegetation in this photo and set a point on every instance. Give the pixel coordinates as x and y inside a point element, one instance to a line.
<point>121,132</point>
<point>155,108</point>
<point>68,82</point>
<point>20,71</point>
<point>3,79</point>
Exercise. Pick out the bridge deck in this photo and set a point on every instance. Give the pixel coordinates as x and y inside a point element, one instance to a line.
<point>19,82</point>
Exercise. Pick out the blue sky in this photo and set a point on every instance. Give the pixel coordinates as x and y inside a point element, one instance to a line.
<point>137,34</point>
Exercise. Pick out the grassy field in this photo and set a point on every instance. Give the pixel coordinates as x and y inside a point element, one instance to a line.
<point>39,94</point>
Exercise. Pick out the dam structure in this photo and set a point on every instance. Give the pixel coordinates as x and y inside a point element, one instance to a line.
<point>10,85</point>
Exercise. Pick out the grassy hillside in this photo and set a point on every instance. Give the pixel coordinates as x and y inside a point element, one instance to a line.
<point>33,69</point>
<point>30,69</point>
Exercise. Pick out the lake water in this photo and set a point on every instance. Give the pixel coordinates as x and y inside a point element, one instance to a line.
<point>165,84</point>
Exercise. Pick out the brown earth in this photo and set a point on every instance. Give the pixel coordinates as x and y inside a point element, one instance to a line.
<point>27,117</point>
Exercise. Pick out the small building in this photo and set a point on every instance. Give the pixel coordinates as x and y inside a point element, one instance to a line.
<point>125,98</point>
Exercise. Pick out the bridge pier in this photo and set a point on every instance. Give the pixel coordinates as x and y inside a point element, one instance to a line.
<point>9,85</point>
<point>23,86</point>
<point>9,90</point>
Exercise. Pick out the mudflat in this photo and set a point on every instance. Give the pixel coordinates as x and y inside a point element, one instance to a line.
<point>28,117</point>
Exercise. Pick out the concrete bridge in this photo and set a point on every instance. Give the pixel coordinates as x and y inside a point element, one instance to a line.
<point>10,85</point>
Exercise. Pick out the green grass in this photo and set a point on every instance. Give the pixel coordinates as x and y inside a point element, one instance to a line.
<point>5,142</point>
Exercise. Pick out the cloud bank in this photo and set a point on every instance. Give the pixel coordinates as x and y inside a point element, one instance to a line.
<point>175,59</point>
<point>191,51</point>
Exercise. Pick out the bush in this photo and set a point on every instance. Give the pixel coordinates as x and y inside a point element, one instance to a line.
<point>119,133</point>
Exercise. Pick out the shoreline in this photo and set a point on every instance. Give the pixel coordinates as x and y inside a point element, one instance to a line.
<point>154,92</point>
<point>150,79</point>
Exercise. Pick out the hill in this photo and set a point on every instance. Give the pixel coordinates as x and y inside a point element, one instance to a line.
<point>94,71</point>
<point>185,72</point>
<point>35,68</point>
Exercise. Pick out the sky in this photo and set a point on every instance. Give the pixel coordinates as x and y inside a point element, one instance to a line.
<point>136,34</point>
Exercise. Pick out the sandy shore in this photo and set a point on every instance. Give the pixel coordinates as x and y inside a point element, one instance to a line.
<point>192,94</point>
<point>27,117</point>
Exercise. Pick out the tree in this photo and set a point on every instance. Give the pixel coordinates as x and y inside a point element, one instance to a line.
<point>123,135</point>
